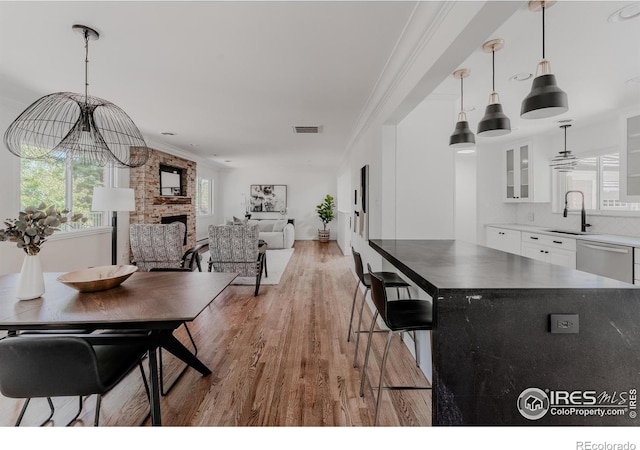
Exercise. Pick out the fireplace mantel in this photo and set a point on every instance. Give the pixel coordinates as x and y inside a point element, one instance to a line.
<point>166,200</point>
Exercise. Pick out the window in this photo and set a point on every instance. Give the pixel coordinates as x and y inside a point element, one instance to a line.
<point>598,178</point>
<point>204,196</point>
<point>62,184</point>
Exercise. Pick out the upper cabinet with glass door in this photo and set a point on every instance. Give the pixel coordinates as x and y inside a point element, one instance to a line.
<point>630,158</point>
<point>526,177</point>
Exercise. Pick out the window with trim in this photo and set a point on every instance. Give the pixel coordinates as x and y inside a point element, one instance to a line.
<point>204,196</point>
<point>598,177</point>
<point>63,184</point>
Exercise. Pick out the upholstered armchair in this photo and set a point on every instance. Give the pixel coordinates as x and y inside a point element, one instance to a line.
<point>159,246</point>
<point>234,248</point>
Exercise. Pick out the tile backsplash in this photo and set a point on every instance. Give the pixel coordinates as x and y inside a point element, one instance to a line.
<point>542,216</point>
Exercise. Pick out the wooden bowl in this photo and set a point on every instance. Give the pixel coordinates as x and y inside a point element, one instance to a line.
<point>97,278</point>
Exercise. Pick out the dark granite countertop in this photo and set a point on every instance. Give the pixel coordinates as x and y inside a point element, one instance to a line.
<point>450,264</point>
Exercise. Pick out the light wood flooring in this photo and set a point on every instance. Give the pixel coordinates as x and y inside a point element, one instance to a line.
<point>278,359</point>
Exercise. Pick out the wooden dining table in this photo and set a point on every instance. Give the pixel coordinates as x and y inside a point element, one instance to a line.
<point>155,301</point>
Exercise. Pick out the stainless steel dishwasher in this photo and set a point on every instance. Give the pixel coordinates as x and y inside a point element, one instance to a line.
<point>608,260</point>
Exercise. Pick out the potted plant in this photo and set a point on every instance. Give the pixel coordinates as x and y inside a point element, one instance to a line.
<point>29,231</point>
<point>326,214</point>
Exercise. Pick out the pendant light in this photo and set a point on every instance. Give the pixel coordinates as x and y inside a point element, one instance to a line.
<point>564,161</point>
<point>494,122</point>
<point>462,137</point>
<point>85,129</point>
<point>546,99</point>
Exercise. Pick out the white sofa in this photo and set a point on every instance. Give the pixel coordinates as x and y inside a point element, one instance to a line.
<point>276,233</point>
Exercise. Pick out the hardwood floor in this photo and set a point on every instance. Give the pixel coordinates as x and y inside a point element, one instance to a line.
<point>278,359</point>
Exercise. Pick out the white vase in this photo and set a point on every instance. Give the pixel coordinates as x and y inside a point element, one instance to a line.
<point>31,284</point>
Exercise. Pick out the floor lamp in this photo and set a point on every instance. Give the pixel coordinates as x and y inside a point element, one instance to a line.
<point>114,200</point>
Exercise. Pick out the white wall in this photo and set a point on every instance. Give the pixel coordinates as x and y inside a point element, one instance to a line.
<point>465,197</point>
<point>9,163</point>
<point>306,187</point>
<point>344,209</point>
<point>425,173</point>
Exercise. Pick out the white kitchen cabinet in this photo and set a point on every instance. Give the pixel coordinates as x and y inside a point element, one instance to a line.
<point>503,239</point>
<point>630,157</point>
<point>526,176</point>
<point>560,251</point>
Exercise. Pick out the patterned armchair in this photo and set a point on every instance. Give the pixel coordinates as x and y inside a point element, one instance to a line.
<point>234,248</point>
<point>159,247</point>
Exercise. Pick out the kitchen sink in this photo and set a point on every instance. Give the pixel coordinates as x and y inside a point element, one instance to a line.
<point>575,233</point>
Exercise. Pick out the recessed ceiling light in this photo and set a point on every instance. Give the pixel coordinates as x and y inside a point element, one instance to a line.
<point>522,76</point>
<point>469,108</point>
<point>167,133</point>
<point>627,13</point>
<point>564,121</point>
<point>227,160</point>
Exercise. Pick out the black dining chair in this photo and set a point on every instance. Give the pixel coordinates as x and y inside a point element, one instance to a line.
<point>398,316</point>
<point>45,366</point>
<point>52,409</point>
<point>392,280</point>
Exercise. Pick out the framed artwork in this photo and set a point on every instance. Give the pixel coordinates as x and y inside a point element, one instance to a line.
<point>268,198</point>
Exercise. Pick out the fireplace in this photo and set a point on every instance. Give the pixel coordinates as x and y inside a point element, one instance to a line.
<point>181,218</point>
<point>152,207</point>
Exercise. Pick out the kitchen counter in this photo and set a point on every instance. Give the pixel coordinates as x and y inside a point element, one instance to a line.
<point>595,237</point>
<point>493,345</point>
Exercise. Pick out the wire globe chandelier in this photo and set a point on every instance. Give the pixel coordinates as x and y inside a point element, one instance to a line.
<point>87,129</point>
<point>564,161</point>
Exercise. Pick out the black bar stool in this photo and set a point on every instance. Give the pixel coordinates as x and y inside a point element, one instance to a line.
<point>391,279</point>
<point>399,316</point>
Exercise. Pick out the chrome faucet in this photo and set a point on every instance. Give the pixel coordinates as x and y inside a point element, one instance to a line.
<point>583,212</point>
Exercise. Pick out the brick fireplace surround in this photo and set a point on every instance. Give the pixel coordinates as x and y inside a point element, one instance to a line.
<point>151,207</point>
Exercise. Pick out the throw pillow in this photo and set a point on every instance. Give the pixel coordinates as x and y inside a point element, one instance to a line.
<point>279,225</point>
<point>238,221</point>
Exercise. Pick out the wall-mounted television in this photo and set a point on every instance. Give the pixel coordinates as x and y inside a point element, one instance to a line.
<point>170,181</point>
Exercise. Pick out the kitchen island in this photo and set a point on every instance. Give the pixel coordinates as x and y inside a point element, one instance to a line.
<point>523,342</point>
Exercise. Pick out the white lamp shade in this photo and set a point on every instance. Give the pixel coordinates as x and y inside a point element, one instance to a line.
<point>113,199</point>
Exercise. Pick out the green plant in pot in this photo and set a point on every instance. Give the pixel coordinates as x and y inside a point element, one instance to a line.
<point>29,231</point>
<point>326,214</point>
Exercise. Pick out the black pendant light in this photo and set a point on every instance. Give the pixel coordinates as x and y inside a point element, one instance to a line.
<point>80,127</point>
<point>564,161</point>
<point>462,137</point>
<point>546,99</point>
<point>494,122</point>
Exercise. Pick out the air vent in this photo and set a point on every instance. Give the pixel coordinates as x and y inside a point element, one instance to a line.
<point>306,130</point>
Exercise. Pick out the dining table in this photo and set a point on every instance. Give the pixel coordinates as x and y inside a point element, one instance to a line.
<point>158,302</point>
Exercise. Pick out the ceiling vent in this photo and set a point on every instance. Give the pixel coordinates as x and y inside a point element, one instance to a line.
<point>306,130</point>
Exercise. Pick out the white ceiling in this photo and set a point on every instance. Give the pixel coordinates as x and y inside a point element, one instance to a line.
<point>591,58</point>
<point>229,78</point>
<point>232,78</point>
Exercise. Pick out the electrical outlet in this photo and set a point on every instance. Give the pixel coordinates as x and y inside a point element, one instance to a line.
<point>530,217</point>
<point>564,323</point>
